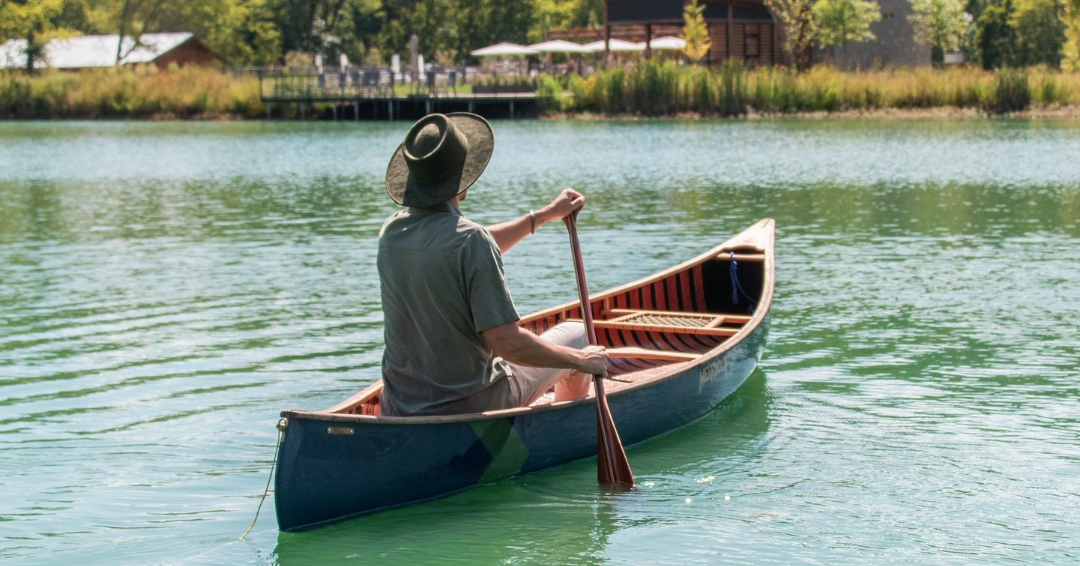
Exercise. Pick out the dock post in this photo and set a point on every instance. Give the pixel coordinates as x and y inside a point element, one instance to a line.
<point>333,110</point>
<point>390,109</point>
<point>301,110</point>
<point>511,109</point>
<point>267,110</point>
<point>427,106</point>
<point>356,110</point>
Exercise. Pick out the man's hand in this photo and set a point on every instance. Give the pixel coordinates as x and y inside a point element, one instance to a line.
<point>594,361</point>
<point>567,202</point>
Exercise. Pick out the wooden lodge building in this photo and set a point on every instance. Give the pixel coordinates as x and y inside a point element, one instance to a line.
<point>739,29</point>
<point>748,31</point>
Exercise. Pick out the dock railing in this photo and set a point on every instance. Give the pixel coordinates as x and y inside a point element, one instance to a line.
<point>311,84</point>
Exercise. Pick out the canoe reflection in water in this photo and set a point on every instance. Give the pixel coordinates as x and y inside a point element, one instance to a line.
<point>680,342</point>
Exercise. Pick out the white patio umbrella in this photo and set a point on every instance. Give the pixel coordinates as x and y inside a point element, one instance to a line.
<point>667,43</point>
<point>504,50</point>
<point>559,46</point>
<point>614,45</point>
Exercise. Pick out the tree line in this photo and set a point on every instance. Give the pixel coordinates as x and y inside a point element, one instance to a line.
<point>265,32</point>
<point>993,33</point>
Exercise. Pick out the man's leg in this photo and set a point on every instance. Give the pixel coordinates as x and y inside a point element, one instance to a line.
<point>531,383</point>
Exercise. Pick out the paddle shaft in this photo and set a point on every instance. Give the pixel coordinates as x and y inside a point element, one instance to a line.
<point>613,468</point>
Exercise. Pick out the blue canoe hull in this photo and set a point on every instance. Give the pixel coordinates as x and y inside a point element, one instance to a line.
<point>334,466</point>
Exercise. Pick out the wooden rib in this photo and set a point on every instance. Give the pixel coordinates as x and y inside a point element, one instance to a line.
<point>683,278</point>
<point>647,354</point>
<point>674,297</point>
<point>698,283</point>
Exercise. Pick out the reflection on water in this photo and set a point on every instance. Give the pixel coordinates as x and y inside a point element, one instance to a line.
<point>167,289</point>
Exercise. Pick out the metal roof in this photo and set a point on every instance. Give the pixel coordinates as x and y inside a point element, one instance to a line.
<point>92,50</point>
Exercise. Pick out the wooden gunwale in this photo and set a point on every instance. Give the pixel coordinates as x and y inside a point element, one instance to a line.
<point>760,237</point>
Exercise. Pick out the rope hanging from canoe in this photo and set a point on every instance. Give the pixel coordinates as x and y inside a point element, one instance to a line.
<point>737,288</point>
<point>281,424</point>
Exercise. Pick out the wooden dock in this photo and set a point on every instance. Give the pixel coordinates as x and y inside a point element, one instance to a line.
<point>373,94</point>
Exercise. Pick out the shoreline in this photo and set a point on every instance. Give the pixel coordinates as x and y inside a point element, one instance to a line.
<point>1068,112</point>
<point>1064,112</point>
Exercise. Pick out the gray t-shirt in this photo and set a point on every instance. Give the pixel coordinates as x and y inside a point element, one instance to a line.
<point>442,283</point>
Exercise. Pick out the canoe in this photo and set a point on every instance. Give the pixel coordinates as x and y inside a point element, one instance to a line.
<point>680,342</point>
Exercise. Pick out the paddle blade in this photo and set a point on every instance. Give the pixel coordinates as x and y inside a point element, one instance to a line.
<point>613,468</point>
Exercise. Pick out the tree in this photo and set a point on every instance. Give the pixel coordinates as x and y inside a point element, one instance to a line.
<point>845,21</point>
<point>800,29</point>
<point>695,31</point>
<point>1070,18</point>
<point>36,22</point>
<point>1040,33</point>
<point>995,38</point>
<point>940,24</point>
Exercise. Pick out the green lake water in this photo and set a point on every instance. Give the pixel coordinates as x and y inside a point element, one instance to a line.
<point>166,289</point>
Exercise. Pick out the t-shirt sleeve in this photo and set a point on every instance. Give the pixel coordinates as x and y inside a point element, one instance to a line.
<point>485,282</point>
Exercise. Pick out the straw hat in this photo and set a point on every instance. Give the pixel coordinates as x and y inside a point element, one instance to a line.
<point>441,157</point>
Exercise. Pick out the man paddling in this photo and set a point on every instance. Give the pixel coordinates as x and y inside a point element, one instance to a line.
<point>453,344</point>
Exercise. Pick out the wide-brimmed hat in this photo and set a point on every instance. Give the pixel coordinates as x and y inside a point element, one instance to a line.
<point>441,157</point>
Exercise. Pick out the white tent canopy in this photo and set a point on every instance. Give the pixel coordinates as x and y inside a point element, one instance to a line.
<point>559,46</point>
<point>504,49</point>
<point>667,43</point>
<point>614,45</point>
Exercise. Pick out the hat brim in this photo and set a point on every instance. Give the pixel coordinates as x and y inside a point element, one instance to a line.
<point>409,192</point>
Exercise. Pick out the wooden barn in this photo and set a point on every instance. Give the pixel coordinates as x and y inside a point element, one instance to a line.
<point>94,51</point>
<point>748,31</point>
<point>740,29</point>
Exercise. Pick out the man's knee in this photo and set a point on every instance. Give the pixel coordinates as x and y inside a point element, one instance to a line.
<point>570,334</point>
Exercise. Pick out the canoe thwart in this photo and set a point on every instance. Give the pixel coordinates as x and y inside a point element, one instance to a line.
<point>749,258</point>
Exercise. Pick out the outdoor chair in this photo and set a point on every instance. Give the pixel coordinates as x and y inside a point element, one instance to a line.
<point>371,82</point>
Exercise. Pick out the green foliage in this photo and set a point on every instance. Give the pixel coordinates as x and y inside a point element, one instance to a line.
<point>695,31</point>
<point>1070,19</point>
<point>841,22</point>
<point>549,94</point>
<point>1012,92</point>
<point>656,88</point>
<point>800,28</point>
<point>36,21</point>
<point>129,93</point>
<point>1040,33</point>
<point>939,23</point>
<point>995,38</point>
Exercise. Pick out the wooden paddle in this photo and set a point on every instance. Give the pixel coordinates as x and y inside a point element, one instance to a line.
<point>613,469</point>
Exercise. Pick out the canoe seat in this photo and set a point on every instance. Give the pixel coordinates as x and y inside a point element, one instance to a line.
<point>700,323</point>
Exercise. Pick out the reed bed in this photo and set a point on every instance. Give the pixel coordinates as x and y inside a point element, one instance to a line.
<point>188,92</point>
<point>663,88</point>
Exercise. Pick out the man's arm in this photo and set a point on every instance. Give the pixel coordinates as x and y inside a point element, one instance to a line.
<point>511,232</point>
<point>515,344</point>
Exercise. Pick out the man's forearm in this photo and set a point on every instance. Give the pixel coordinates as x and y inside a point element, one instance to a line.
<point>525,348</point>
<point>509,233</point>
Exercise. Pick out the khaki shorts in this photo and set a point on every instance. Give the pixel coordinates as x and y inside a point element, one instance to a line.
<point>530,383</point>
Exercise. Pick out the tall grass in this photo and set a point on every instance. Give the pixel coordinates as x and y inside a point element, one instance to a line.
<point>661,87</point>
<point>125,93</point>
